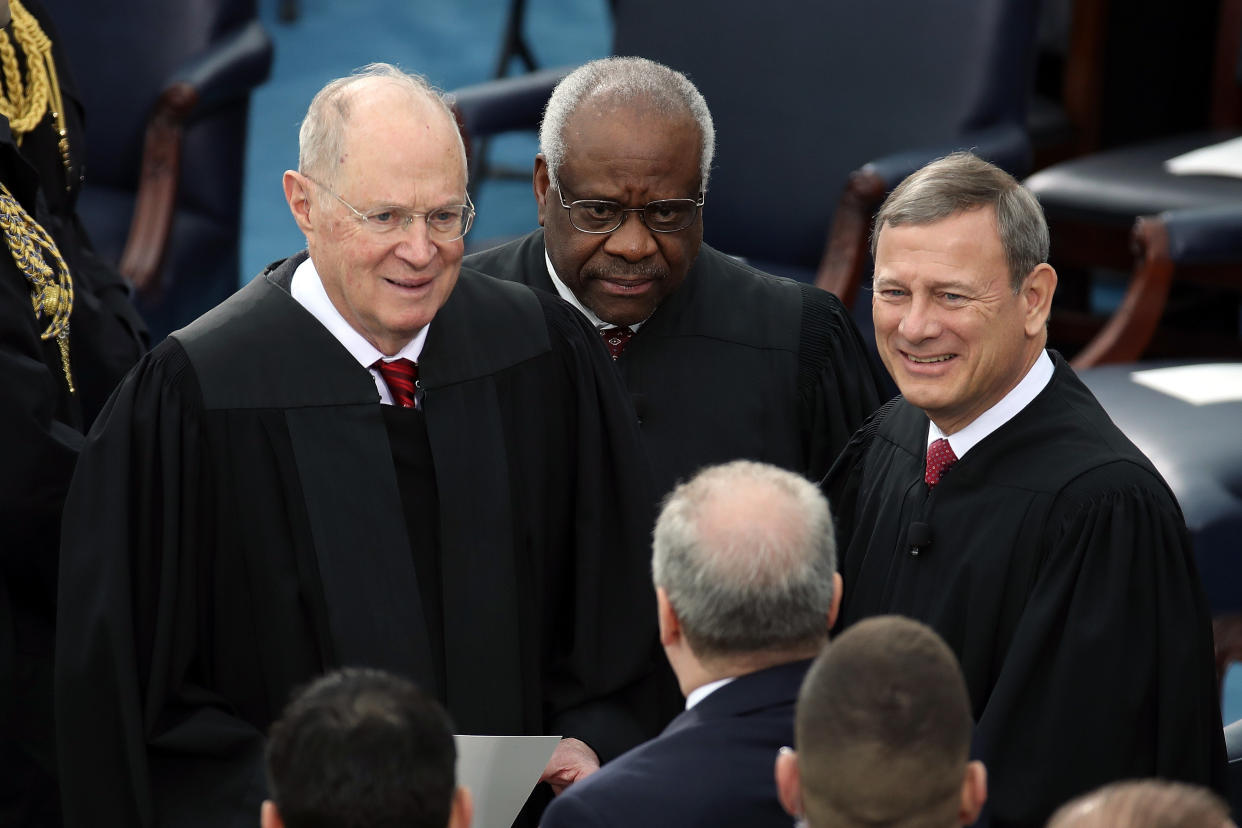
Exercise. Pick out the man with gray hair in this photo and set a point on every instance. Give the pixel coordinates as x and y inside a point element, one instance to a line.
<point>721,361</point>
<point>368,456</point>
<point>997,502</point>
<point>746,589</point>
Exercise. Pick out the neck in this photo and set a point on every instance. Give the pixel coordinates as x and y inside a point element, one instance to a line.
<point>694,672</point>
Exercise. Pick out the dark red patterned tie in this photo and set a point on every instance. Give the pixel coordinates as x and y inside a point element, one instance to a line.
<point>616,339</point>
<point>940,457</point>
<point>401,375</point>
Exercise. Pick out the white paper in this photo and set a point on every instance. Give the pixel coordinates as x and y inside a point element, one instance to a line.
<point>500,772</point>
<point>1196,384</point>
<point>1224,158</point>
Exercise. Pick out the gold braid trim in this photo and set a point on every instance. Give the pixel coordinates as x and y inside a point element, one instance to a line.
<point>26,103</point>
<point>51,291</point>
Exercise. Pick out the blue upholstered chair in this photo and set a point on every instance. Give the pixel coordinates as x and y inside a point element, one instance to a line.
<point>820,108</point>
<point>1093,201</point>
<point>166,90</point>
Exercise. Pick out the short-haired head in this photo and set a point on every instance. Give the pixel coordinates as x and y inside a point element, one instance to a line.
<point>321,139</point>
<point>746,553</point>
<point>883,729</point>
<point>1144,803</point>
<point>625,82</point>
<point>962,182</point>
<point>360,748</point>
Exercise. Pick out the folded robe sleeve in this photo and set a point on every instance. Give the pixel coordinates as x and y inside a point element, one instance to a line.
<point>136,731</point>
<point>1115,631</point>
<point>612,645</point>
<point>839,383</point>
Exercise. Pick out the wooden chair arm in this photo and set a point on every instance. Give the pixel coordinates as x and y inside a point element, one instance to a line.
<point>840,270</point>
<point>1127,333</point>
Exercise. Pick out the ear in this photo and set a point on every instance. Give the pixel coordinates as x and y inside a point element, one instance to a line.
<point>837,585</point>
<point>298,195</point>
<point>541,183</point>
<point>670,626</point>
<point>1037,290</point>
<point>789,782</point>
<point>974,792</point>
<point>463,808</point>
<point>269,817</point>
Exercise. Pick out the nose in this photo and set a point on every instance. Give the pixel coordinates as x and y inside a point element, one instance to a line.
<point>632,241</point>
<point>919,321</point>
<point>414,244</point>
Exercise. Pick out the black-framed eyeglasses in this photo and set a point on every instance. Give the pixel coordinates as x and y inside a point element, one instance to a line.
<point>444,224</point>
<point>668,215</point>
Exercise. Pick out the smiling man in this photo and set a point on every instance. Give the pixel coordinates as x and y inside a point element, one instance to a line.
<point>368,456</point>
<point>721,361</point>
<point>995,501</point>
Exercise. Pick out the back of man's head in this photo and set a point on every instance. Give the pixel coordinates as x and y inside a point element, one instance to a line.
<point>361,748</point>
<point>1144,803</point>
<point>746,556</point>
<point>883,731</point>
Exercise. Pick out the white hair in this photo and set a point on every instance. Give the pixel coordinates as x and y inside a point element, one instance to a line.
<point>321,138</point>
<point>625,80</point>
<point>746,553</point>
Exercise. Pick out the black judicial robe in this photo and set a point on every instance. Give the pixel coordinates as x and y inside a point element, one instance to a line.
<point>734,364</point>
<point>1061,573</point>
<point>235,528</point>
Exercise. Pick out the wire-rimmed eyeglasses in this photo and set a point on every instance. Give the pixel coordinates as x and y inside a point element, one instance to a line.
<point>444,224</point>
<point>668,215</point>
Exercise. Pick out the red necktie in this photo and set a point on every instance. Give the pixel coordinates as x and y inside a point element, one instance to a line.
<point>940,457</point>
<point>616,339</point>
<point>401,375</point>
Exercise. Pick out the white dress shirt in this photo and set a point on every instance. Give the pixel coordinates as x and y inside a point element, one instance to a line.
<point>307,288</point>
<point>1036,379</point>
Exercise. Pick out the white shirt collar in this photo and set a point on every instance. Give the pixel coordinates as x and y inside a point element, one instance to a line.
<point>699,693</point>
<point>1036,379</point>
<point>568,296</point>
<point>307,288</point>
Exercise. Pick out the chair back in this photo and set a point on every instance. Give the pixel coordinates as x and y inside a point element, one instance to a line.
<point>125,55</point>
<point>804,93</point>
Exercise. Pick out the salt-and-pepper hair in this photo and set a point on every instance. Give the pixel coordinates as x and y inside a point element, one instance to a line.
<point>321,138</point>
<point>746,553</point>
<point>961,182</point>
<point>625,80</point>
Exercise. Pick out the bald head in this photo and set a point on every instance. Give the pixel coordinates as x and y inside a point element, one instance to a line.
<point>1146,803</point>
<point>361,101</point>
<point>746,554</point>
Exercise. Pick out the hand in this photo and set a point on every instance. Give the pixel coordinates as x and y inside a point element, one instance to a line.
<point>572,760</point>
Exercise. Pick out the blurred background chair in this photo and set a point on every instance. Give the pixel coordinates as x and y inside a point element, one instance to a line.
<point>1190,429</point>
<point>1092,203</point>
<point>814,122</point>
<point>1233,745</point>
<point>166,108</point>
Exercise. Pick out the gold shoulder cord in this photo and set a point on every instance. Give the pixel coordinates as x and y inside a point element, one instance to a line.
<point>51,291</point>
<point>26,103</point>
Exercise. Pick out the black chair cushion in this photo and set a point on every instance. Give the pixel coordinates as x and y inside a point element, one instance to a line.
<point>1196,448</point>
<point>1118,185</point>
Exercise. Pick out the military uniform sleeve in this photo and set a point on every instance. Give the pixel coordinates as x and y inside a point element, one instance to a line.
<point>136,731</point>
<point>1116,630</point>
<point>839,383</point>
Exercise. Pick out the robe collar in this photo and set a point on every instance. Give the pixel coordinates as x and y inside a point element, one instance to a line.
<point>1019,397</point>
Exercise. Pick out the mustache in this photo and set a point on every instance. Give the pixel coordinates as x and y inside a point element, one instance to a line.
<point>625,270</point>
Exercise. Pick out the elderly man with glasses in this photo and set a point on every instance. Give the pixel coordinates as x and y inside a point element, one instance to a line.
<point>368,456</point>
<point>721,361</point>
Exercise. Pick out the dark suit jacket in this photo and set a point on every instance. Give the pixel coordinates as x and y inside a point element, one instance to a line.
<point>734,364</point>
<point>712,766</point>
